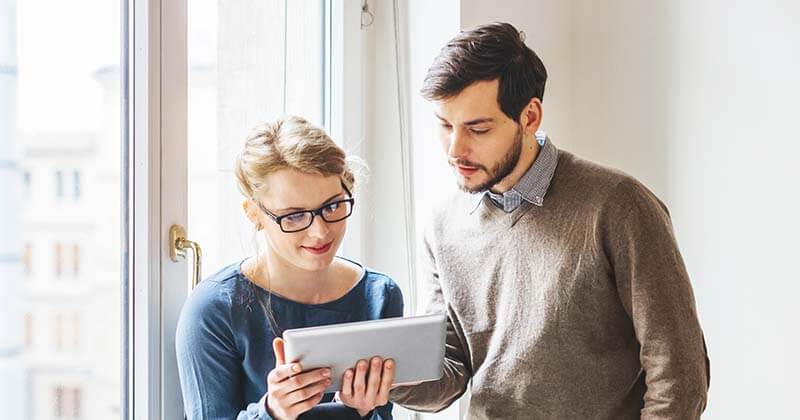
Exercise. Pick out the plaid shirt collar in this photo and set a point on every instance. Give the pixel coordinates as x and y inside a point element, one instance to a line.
<point>532,187</point>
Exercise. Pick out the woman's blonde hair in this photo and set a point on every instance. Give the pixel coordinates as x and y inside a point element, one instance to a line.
<point>291,143</point>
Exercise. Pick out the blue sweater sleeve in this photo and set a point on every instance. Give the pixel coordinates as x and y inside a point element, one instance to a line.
<point>209,364</point>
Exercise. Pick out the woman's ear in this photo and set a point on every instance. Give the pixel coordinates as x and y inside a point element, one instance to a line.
<point>251,211</point>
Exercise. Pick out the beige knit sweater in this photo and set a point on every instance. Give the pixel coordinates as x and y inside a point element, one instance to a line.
<point>578,309</point>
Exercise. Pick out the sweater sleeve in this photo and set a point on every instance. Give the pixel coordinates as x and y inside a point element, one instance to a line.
<point>654,288</point>
<point>209,365</point>
<point>435,396</point>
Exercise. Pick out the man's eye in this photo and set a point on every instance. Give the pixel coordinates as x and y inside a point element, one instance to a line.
<point>446,126</point>
<point>332,207</point>
<point>480,131</point>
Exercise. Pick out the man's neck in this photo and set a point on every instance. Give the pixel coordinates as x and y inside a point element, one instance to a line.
<point>530,150</point>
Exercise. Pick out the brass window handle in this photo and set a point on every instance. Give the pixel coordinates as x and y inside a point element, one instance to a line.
<point>178,244</point>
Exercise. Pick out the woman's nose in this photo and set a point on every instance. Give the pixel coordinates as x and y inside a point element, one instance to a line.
<point>318,228</point>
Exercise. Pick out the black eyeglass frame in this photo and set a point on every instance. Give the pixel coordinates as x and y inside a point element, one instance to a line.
<point>314,213</point>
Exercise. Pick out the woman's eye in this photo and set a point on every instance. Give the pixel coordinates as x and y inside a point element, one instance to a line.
<point>296,217</point>
<point>330,208</point>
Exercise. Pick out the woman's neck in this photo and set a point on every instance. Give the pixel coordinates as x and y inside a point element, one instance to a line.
<point>274,273</point>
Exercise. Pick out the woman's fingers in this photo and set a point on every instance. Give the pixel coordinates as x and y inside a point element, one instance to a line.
<point>387,378</point>
<point>359,382</point>
<point>296,381</point>
<point>277,348</point>
<point>299,396</point>
<point>306,405</point>
<point>282,373</point>
<point>374,378</point>
<point>305,379</point>
<point>347,384</point>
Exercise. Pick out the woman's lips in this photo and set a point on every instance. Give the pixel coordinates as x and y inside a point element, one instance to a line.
<point>319,250</point>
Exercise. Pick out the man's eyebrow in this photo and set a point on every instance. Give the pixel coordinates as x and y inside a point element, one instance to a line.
<point>476,121</point>
<point>292,209</point>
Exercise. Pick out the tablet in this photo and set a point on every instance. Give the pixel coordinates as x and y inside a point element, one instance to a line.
<point>416,344</point>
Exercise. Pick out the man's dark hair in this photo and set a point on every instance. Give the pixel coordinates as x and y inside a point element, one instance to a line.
<point>488,52</point>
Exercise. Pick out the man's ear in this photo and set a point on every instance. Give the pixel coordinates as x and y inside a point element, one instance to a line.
<point>531,116</point>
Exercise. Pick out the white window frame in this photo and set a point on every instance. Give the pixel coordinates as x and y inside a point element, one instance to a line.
<point>346,124</point>
<point>158,89</point>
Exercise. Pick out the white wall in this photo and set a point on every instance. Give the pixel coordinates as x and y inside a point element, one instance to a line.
<point>698,100</point>
<point>547,26</point>
<point>733,184</point>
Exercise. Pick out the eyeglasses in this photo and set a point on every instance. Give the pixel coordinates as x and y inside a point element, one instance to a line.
<point>297,221</point>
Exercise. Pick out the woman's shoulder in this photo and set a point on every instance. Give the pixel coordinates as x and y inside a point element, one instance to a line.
<point>378,279</point>
<point>217,294</point>
<point>379,287</point>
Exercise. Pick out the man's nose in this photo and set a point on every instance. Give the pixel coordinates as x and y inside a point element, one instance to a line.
<point>458,147</point>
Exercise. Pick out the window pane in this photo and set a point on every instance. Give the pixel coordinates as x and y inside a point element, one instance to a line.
<point>59,213</point>
<point>239,54</point>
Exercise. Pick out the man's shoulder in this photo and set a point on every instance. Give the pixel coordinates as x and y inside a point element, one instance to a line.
<point>602,185</point>
<point>589,174</point>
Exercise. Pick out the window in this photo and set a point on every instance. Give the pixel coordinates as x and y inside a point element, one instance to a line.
<point>26,183</point>
<point>76,184</point>
<point>286,56</point>
<point>67,402</point>
<point>76,331</point>
<point>29,331</point>
<point>76,260</point>
<point>58,255</point>
<point>62,126</point>
<point>26,259</point>
<point>58,402</point>
<point>59,184</point>
<point>76,403</point>
<point>58,331</point>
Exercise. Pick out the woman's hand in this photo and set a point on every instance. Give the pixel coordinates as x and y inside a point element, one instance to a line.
<point>291,391</point>
<point>368,386</point>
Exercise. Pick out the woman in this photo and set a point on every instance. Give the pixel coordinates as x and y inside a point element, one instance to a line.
<point>297,185</point>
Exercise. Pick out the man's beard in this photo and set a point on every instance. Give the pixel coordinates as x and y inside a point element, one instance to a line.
<point>499,171</point>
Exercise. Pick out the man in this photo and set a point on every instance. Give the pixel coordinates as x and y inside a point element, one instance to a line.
<point>566,294</point>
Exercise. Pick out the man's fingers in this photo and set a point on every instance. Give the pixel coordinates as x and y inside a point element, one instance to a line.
<point>277,348</point>
<point>387,378</point>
